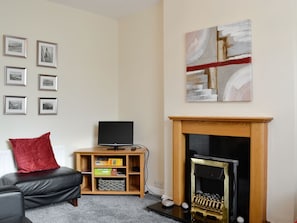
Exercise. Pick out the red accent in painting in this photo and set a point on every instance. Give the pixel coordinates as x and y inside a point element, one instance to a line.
<point>219,64</point>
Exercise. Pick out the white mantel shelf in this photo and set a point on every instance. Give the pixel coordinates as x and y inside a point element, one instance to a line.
<point>253,127</point>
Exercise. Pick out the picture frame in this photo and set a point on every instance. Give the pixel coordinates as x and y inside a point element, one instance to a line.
<point>15,46</point>
<point>48,106</point>
<point>15,105</point>
<point>16,76</point>
<point>48,82</point>
<point>47,54</point>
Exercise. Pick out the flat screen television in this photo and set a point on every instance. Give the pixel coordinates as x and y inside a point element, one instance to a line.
<point>115,133</point>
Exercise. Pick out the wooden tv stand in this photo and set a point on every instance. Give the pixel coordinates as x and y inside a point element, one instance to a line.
<point>108,171</point>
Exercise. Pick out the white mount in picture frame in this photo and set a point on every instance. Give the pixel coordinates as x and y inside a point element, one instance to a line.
<point>15,105</point>
<point>15,46</point>
<point>47,54</point>
<point>48,106</point>
<point>48,82</point>
<point>16,76</point>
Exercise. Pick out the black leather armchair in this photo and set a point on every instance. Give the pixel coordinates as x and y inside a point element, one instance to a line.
<point>46,187</point>
<point>12,205</point>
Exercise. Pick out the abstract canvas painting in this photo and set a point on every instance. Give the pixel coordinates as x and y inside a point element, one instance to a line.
<point>219,63</point>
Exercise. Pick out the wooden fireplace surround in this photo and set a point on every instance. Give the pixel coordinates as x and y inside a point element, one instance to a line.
<point>253,127</point>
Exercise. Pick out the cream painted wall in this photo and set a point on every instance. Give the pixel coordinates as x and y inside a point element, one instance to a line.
<point>87,72</point>
<point>96,82</point>
<point>274,70</point>
<point>141,86</point>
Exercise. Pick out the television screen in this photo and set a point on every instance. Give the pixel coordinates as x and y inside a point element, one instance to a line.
<point>115,133</point>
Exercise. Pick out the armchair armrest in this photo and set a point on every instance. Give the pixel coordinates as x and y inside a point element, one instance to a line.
<point>12,205</point>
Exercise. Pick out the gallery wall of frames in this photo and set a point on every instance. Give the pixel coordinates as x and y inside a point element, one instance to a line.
<point>17,76</point>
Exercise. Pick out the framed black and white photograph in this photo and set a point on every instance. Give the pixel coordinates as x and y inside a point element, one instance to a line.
<point>16,76</point>
<point>48,106</point>
<point>15,46</point>
<point>48,82</point>
<point>47,54</point>
<point>15,105</point>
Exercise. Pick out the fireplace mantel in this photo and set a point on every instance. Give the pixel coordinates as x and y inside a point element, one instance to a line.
<point>253,127</point>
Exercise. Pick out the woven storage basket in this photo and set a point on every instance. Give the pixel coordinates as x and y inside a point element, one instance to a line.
<point>111,184</point>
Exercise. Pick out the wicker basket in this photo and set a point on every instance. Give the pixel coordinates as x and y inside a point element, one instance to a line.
<point>111,184</point>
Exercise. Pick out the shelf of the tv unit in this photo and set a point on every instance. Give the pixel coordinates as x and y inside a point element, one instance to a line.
<point>106,171</point>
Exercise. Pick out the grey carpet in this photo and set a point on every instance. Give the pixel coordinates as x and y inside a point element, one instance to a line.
<point>100,208</point>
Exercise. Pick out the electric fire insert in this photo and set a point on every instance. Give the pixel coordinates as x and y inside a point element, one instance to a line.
<point>213,189</point>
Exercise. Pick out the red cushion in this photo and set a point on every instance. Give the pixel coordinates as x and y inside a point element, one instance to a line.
<point>34,154</point>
